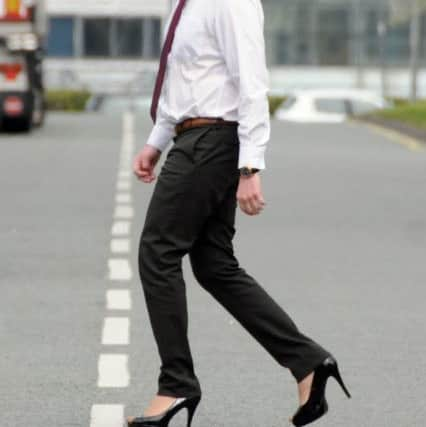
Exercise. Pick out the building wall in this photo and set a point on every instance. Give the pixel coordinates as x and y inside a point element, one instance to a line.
<point>105,28</point>
<point>104,45</point>
<point>115,44</point>
<point>108,7</point>
<point>336,33</point>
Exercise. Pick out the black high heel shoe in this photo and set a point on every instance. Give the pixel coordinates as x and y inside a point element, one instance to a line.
<point>164,419</point>
<point>317,406</point>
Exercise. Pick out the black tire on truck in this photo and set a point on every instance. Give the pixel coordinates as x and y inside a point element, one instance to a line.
<point>21,120</point>
<point>22,124</point>
<point>25,124</point>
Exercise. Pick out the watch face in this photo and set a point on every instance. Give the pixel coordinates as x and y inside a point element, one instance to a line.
<point>245,171</point>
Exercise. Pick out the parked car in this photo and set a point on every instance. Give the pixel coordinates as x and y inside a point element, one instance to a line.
<point>116,103</point>
<point>328,106</point>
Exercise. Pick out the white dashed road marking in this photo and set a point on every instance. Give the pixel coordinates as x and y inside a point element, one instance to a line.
<point>107,416</point>
<point>123,198</point>
<point>116,331</point>
<point>124,185</point>
<point>124,174</point>
<point>119,269</point>
<point>121,228</point>
<point>113,371</point>
<point>120,246</point>
<point>124,212</point>
<point>118,299</point>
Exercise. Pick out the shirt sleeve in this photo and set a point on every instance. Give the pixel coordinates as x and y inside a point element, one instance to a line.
<point>163,131</point>
<point>239,32</point>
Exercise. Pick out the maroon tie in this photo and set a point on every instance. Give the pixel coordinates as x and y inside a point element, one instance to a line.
<point>163,59</point>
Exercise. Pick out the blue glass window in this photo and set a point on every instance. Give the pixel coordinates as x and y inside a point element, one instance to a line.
<point>60,41</point>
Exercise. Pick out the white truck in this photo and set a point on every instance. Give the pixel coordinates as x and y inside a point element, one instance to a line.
<point>23,28</point>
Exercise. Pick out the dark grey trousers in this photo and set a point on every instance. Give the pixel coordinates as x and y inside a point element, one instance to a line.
<point>192,211</point>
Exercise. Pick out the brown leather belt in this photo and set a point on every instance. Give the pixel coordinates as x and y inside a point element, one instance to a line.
<point>201,121</point>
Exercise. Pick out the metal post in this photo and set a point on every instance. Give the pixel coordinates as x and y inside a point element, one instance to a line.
<point>382,31</point>
<point>359,44</point>
<point>314,36</point>
<point>415,28</point>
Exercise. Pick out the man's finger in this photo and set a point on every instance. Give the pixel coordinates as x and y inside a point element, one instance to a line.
<point>252,204</point>
<point>146,165</point>
<point>259,199</point>
<point>147,178</point>
<point>247,208</point>
<point>137,165</point>
<point>241,205</point>
<point>260,206</point>
<point>257,204</point>
<point>142,172</point>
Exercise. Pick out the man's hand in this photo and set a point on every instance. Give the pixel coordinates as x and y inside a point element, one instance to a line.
<point>249,195</point>
<point>144,163</point>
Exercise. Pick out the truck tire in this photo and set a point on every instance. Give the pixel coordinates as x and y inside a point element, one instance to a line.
<point>23,124</point>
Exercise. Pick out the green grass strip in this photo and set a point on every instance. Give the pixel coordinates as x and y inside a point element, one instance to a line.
<point>413,114</point>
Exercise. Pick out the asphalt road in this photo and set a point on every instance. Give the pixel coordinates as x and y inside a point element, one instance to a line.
<point>341,246</point>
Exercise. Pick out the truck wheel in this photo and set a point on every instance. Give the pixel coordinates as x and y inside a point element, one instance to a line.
<point>23,124</point>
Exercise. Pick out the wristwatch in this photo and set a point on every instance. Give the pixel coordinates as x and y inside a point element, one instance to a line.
<point>247,172</point>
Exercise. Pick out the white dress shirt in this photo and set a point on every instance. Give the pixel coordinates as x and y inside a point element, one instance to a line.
<point>217,68</point>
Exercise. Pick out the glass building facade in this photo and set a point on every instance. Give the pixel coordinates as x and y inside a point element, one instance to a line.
<point>104,37</point>
<point>337,33</point>
<point>298,32</point>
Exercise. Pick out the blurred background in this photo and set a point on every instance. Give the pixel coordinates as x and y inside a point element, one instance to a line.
<point>310,43</point>
<point>83,48</point>
<point>341,245</point>
<point>350,41</point>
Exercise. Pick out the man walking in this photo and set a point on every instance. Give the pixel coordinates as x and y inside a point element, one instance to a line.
<point>211,99</point>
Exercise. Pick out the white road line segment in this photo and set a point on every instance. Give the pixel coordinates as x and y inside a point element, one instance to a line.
<point>116,331</point>
<point>119,269</point>
<point>120,246</point>
<point>124,185</point>
<point>123,198</point>
<point>118,299</point>
<point>120,228</point>
<point>124,212</point>
<point>113,371</point>
<point>107,416</point>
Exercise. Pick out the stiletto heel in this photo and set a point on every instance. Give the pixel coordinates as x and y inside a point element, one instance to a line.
<point>338,378</point>
<point>191,412</point>
<point>164,419</point>
<point>317,405</point>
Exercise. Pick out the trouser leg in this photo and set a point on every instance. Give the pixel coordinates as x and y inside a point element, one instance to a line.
<point>186,193</point>
<point>217,270</point>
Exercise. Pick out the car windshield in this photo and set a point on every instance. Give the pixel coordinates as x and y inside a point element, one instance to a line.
<point>362,107</point>
<point>331,105</point>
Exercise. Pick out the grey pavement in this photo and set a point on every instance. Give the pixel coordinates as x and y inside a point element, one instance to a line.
<point>341,246</point>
